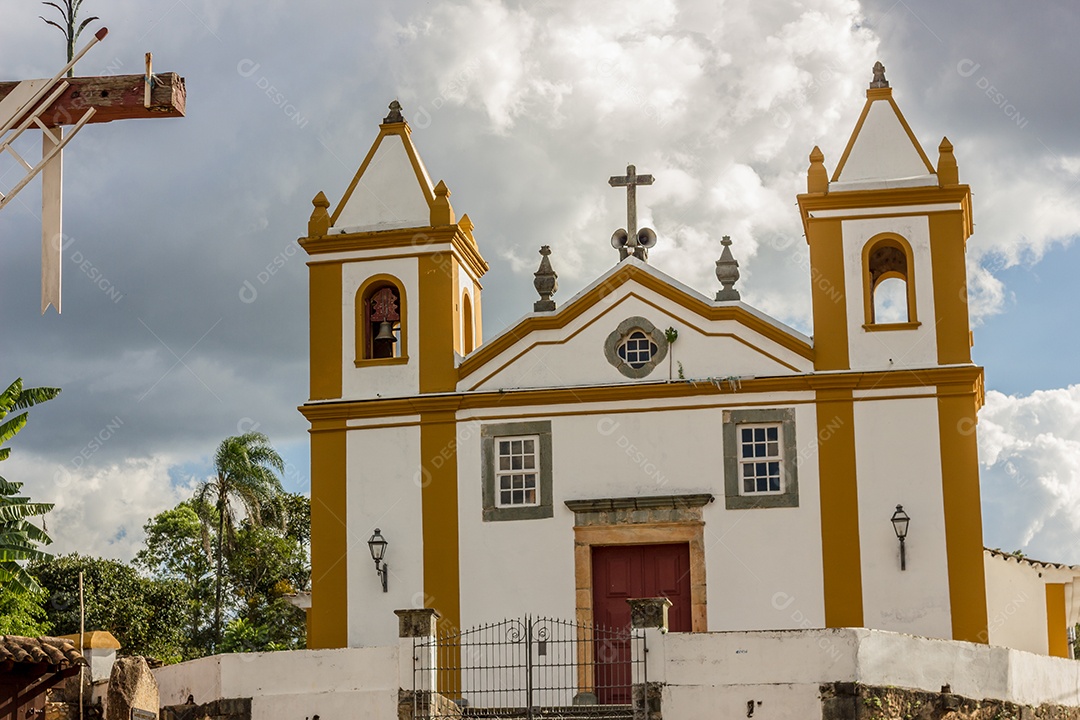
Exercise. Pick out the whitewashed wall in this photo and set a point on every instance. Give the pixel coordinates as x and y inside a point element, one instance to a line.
<point>898,461</point>
<point>892,349</point>
<point>1016,604</point>
<point>379,380</point>
<point>715,674</point>
<point>513,567</point>
<point>353,682</point>
<point>574,355</point>
<point>384,490</point>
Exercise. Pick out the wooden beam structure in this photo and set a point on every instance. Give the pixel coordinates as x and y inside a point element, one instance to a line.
<point>113,97</point>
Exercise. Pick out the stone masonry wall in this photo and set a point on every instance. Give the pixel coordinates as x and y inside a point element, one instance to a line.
<point>852,701</point>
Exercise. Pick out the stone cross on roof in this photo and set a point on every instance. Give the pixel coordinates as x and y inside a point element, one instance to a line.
<point>630,181</point>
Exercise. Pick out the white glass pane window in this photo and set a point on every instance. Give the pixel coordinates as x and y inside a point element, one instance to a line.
<point>637,349</point>
<point>517,471</point>
<point>760,459</point>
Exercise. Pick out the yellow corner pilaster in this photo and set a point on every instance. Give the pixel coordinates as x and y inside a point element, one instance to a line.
<point>436,325</point>
<point>328,618</point>
<point>957,408</point>
<point>840,551</point>
<point>827,293</point>
<point>1057,621</point>
<point>324,330</point>
<point>947,245</point>
<point>439,499</point>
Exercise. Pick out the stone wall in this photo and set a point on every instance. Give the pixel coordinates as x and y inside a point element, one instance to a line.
<point>228,709</point>
<point>852,701</point>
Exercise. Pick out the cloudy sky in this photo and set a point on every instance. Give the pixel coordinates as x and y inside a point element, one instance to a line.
<point>185,294</point>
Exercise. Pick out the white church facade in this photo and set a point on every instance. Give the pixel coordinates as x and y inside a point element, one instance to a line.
<point>644,439</point>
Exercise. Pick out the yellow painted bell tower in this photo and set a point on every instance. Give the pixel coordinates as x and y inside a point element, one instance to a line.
<point>888,224</point>
<point>887,214</point>
<point>394,301</point>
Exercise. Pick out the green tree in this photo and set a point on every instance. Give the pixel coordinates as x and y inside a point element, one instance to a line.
<point>245,466</point>
<point>266,566</point>
<point>19,539</point>
<point>174,550</point>
<point>22,613</point>
<point>145,614</point>
<point>71,28</point>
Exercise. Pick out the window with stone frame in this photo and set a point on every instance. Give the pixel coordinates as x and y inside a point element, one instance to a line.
<point>516,470</point>
<point>760,459</point>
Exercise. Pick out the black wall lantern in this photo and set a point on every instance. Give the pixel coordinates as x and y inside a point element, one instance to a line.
<point>900,522</point>
<point>377,545</point>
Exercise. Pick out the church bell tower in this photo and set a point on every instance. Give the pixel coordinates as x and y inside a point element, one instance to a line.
<point>394,302</point>
<point>887,235</point>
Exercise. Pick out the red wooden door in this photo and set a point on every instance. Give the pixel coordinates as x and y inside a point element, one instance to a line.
<point>621,572</point>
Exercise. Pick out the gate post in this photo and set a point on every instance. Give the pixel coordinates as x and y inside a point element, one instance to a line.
<point>417,666</point>
<point>650,616</point>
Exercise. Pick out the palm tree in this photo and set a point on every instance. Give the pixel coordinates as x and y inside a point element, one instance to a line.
<point>71,28</point>
<point>18,537</point>
<point>245,466</point>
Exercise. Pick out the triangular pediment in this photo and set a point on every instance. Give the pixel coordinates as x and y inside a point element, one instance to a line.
<point>567,347</point>
<point>391,190</point>
<point>882,148</point>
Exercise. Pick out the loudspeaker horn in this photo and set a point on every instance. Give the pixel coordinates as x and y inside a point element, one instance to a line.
<point>646,237</point>
<point>618,238</point>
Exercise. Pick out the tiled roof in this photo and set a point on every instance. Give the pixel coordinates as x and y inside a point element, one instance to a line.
<point>997,552</point>
<point>57,652</point>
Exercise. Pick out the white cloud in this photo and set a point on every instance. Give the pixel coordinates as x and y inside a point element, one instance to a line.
<point>1029,447</point>
<point>99,509</point>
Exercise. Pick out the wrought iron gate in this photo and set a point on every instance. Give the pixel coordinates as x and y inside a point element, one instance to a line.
<point>529,668</point>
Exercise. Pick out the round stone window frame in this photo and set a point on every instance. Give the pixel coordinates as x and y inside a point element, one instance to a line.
<point>627,326</point>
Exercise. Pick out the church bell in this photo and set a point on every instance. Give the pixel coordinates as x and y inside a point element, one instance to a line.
<point>386,332</point>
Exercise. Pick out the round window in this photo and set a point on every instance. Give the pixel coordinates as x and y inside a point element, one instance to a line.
<point>637,349</point>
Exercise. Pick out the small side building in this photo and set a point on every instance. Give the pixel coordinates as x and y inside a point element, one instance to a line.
<point>1032,605</point>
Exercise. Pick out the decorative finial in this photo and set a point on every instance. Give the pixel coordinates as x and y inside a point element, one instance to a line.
<point>727,272</point>
<point>546,283</point>
<point>395,115</point>
<point>319,222</point>
<point>947,172</point>
<point>442,212</point>
<point>631,240</point>
<point>879,80</point>
<point>817,177</point>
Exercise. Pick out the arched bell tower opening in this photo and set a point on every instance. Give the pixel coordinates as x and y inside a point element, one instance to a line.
<point>380,320</point>
<point>889,281</point>
<point>467,321</point>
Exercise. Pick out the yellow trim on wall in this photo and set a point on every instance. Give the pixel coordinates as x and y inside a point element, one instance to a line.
<point>455,305</point>
<point>439,521</point>
<point>625,298</point>
<point>827,292</point>
<point>841,556</point>
<point>878,327</point>
<point>328,618</point>
<point>855,200</point>
<point>1057,621</point>
<point>965,380</point>
<point>948,240</point>
<point>360,327</point>
<point>324,330</point>
<point>626,273</point>
<point>957,415</point>
<point>437,369</point>
<point>416,241</point>
<point>889,239</point>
